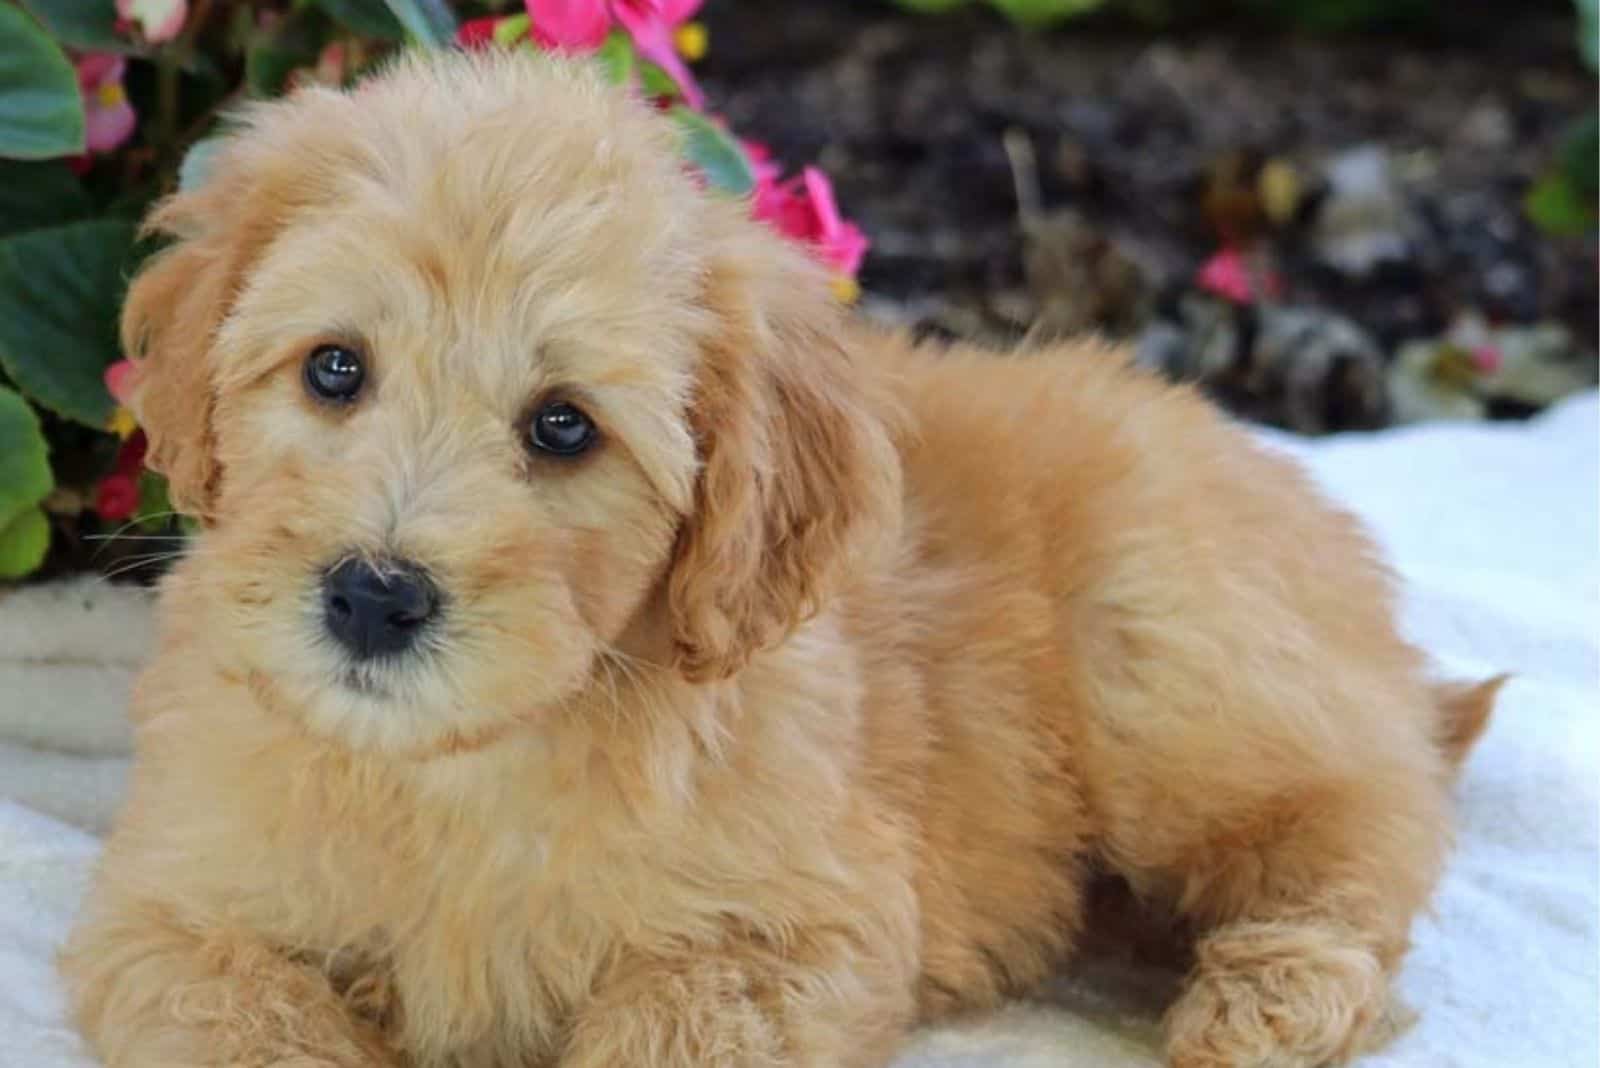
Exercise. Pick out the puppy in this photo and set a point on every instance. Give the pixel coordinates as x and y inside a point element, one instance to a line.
<point>600,652</point>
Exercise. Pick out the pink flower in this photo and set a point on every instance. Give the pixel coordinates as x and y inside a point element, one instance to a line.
<point>158,20</point>
<point>477,33</point>
<point>582,26</point>
<point>120,378</point>
<point>1229,275</point>
<point>767,172</point>
<point>570,25</point>
<point>651,24</point>
<point>772,196</point>
<point>842,244</point>
<point>117,496</point>
<point>130,458</point>
<point>108,117</point>
<point>804,209</point>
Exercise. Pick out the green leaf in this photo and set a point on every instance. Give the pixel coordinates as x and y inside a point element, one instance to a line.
<point>60,293</point>
<point>616,58</point>
<point>35,194</point>
<point>274,52</point>
<point>370,18</point>
<point>155,510</point>
<point>657,82</point>
<point>1580,156</point>
<point>512,31</point>
<point>41,112</point>
<point>718,155</point>
<point>1557,207</point>
<point>428,22</point>
<point>1589,32</point>
<point>25,478</point>
<point>268,65</point>
<point>1044,12</point>
<point>23,543</point>
<point>86,25</point>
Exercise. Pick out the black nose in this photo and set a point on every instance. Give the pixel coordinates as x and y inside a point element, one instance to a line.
<point>377,611</point>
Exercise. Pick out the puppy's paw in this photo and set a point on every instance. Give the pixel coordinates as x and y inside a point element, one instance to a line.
<point>1280,995</point>
<point>689,1015</point>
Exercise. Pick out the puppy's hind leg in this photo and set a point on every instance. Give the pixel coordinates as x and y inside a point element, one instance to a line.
<point>1298,846</point>
<point>1305,916</point>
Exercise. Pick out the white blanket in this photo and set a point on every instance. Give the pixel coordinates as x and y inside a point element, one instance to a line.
<point>1496,530</point>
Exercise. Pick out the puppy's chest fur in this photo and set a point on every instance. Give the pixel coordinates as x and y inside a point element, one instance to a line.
<point>472,904</point>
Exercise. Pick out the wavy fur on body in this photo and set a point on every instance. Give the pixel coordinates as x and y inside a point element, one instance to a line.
<point>804,708</point>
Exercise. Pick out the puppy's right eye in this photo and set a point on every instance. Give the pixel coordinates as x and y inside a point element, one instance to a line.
<point>335,373</point>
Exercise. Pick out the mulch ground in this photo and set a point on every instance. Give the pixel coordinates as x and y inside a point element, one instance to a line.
<point>1138,138</point>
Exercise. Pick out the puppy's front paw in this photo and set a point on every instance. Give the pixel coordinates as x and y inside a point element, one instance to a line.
<point>1279,995</point>
<point>702,1014</point>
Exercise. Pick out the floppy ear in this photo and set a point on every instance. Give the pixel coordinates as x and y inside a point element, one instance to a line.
<point>171,315</point>
<point>799,475</point>
<point>181,297</point>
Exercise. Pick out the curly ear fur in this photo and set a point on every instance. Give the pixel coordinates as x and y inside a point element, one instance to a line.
<point>799,472</point>
<point>173,308</point>
<point>181,297</point>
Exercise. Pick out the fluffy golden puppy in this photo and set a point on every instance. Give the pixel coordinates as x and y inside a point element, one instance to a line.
<point>600,652</point>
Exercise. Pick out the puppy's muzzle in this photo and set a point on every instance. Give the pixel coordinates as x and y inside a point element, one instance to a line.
<point>377,610</point>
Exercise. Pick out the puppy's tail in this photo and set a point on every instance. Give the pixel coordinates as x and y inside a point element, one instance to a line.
<point>1463,714</point>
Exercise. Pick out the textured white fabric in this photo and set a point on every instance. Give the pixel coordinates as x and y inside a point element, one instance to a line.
<point>1496,530</point>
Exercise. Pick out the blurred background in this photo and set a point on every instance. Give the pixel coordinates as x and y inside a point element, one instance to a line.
<point>1332,215</point>
<point>1336,213</point>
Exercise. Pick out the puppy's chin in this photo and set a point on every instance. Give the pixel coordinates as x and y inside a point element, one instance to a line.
<point>406,708</point>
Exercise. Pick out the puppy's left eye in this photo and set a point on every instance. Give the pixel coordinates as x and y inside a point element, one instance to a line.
<point>335,373</point>
<point>561,429</point>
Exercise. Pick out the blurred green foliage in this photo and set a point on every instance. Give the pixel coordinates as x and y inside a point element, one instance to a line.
<point>1566,200</point>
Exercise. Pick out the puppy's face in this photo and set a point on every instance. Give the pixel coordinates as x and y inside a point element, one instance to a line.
<point>475,389</point>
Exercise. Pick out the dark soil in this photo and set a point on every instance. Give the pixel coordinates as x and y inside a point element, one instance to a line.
<point>1131,129</point>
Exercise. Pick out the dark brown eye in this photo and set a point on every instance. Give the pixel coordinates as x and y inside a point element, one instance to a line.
<point>335,373</point>
<point>561,429</point>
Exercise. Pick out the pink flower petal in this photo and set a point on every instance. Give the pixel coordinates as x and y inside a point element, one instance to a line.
<point>796,216</point>
<point>840,244</point>
<point>99,68</point>
<point>120,378</point>
<point>769,203</point>
<point>106,129</point>
<point>820,190</point>
<point>677,12</point>
<point>846,249</point>
<point>1226,276</point>
<point>652,36</point>
<point>130,458</point>
<point>766,172</point>
<point>108,117</point>
<point>569,25</point>
<point>477,33</point>
<point>804,209</point>
<point>117,496</point>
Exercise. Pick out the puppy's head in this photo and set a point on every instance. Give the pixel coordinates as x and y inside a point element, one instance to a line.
<point>473,387</point>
